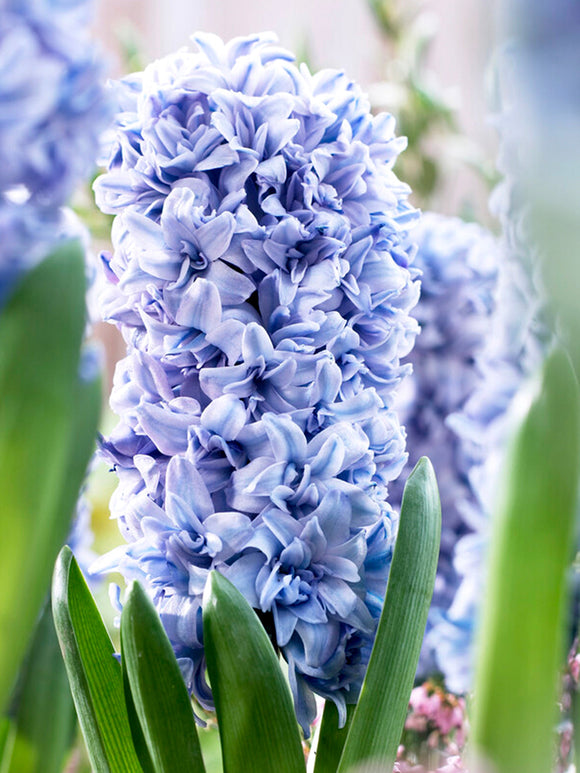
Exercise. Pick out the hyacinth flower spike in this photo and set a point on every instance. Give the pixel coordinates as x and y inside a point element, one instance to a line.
<point>262,279</point>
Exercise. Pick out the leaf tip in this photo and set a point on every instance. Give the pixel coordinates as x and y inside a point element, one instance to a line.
<point>61,572</point>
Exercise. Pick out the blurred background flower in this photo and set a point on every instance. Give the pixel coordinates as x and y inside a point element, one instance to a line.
<point>459,264</point>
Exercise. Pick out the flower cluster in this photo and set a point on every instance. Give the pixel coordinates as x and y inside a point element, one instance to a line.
<point>435,732</point>
<point>458,261</point>
<point>516,343</point>
<point>52,110</point>
<point>261,280</point>
<point>514,351</point>
<point>438,716</point>
<point>51,95</point>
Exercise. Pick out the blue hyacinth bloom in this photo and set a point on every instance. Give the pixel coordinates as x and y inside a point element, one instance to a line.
<point>515,346</point>
<point>459,265</point>
<point>52,107</point>
<point>52,111</point>
<point>260,276</point>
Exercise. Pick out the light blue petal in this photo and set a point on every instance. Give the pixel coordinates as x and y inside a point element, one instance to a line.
<point>225,416</point>
<point>286,438</point>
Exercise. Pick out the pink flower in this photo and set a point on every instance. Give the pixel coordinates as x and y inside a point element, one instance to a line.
<point>446,719</point>
<point>452,765</point>
<point>417,722</point>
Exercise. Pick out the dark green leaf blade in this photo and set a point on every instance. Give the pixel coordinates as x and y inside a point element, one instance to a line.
<point>136,730</point>
<point>257,724</point>
<point>41,329</point>
<point>380,713</point>
<point>157,688</point>
<point>44,723</point>
<point>521,646</point>
<point>95,676</point>
<point>331,739</point>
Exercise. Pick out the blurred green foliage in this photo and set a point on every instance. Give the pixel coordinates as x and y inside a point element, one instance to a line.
<point>426,114</point>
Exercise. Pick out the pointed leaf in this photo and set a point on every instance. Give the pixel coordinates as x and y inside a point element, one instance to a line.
<point>157,688</point>
<point>380,713</point>
<point>44,724</point>
<point>41,329</point>
<point>521,646</point>
<point>94,674</point>
<point>257,724</point>
<point>331,739</point>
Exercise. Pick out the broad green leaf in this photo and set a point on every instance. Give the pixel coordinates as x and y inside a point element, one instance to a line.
<point>159,694</point>
<point>43,455</point>
<point>44,719</point>
<point>380,714</point>
<point>521,646</point>
<point>139,741</point>
<point>85,412</point>
<point>94,674</point>
<point>258,728</point>
<point>331,739</point>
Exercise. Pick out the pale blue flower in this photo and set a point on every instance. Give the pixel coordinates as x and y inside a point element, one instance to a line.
<point>52,106</point>
<point>516,344</point>
<point>52,110</point>
<point>459,264</point>
<point>260,276</point>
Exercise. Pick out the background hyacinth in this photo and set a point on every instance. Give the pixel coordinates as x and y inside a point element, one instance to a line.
<point>459,263</point>
<point>52,110</point>
<point>516,344</point>
<point>54,118</point>
<point>261,281</point>
<point>435,732</point>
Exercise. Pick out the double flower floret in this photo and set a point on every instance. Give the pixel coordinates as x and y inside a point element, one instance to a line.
<point>261,281</point>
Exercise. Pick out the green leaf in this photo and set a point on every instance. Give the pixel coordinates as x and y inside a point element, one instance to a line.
<point>43,455</point>
<point>139,741</point>
<point>521,647</point>
<point>331,739</point>
<point>94,674</point>
<point>256,719</point>
<point>44,719</point>
<point>157,688</point>
<point>380,713</point>
<point>209,740</point>
<point>7,732</point>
